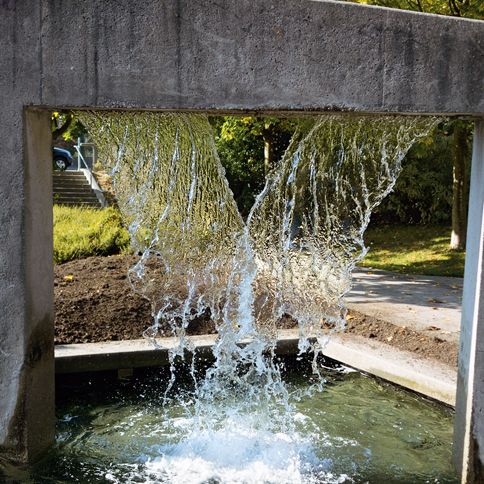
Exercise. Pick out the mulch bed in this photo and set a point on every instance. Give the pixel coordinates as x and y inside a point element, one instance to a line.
<point>94,302</point>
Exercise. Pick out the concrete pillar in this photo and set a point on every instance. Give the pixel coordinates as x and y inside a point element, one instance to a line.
<point>469,419</point>
<point>27,415</point>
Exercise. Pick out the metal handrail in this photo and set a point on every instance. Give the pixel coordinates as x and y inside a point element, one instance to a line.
<point>81,159</point>
<point>92,181</point>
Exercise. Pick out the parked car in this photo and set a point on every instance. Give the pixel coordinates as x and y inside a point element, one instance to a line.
<point>61,158</point>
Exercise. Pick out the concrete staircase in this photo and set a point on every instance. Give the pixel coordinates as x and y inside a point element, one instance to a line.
<point>72,188</point>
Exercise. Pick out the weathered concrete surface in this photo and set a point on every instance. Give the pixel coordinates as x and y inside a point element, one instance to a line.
<point>113,355</point>
<point>26,330</point>
<point>263,55</point>
<point>404,368</point>
<point>16,85</point>
<point>469,419</point>
<point>429,304</point>
<point>240,54</point>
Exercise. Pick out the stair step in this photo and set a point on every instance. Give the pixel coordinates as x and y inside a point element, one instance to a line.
<point>73,176</point>
<point>68,173</point>
<point>79,204</point>
<point>74,189</point>
<point>90,195</point>
<point>74,186</point>
<point>86,197</point>
<point>75,198</point>
<point>85,194</point>
<point>64,181</point>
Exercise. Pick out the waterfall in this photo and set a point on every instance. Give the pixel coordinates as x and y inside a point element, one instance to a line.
<point>292,256</point>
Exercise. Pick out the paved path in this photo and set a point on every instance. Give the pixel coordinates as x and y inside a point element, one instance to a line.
<point>429,304</point>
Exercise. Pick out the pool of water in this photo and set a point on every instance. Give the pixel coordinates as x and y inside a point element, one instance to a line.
<point>357,430</point>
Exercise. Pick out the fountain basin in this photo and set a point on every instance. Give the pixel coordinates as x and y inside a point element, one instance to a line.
<point>358,429</point>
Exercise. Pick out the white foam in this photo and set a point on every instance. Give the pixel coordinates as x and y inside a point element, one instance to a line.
<point>238,454</point>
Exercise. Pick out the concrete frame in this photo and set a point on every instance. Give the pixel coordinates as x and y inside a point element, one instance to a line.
<point>469,419</point>
<point>210,55</point>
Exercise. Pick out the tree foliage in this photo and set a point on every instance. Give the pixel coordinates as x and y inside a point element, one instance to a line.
<point>243,144</point>
<point>241,152</point>
<point>456,8</point>
<point>423,192</point>
<point>66,127</point>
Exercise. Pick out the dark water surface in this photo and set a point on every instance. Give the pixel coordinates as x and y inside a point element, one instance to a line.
<point>357,430</point>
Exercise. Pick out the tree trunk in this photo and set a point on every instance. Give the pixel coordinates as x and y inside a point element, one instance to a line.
<point>460,189</point>
<point>60,130</point>
<point>268,150</point>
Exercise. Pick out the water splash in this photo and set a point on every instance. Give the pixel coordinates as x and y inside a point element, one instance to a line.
<point>293,256</point>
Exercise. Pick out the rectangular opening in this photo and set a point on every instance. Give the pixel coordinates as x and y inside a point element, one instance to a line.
<point>235,124</point>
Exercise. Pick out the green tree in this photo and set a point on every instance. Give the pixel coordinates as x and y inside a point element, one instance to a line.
<point>423,192</point>
<point>66,127</point>
<point>249,148</point>
<point>462,133</point>
<point>276,134</point>
<point>241,152</point>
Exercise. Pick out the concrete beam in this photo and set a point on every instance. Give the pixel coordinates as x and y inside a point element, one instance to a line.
<point>429,378</point>
<point>262,55</point>
<point>140,353</point>
<point>469,419</point>
<point>423,376</point>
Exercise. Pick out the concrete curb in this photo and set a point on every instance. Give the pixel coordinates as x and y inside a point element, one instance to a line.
<point>114,355</point>
<point>426,377</point>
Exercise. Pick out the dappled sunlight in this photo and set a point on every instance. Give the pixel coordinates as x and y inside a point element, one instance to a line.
<point>413,250</point>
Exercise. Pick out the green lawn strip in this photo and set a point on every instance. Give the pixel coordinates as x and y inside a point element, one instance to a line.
<point>83,232</point>
<point>413,249</point>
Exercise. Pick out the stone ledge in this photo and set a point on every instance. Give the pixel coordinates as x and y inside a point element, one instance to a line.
<point>426,377</point>
<point>430,378</point>
<point>113,355</point>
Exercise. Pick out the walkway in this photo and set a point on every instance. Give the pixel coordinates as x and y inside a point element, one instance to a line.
<point>429,304</point>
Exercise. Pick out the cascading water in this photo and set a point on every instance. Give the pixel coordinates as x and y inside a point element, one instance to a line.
<point>293,256</point>
<point>307,225</point>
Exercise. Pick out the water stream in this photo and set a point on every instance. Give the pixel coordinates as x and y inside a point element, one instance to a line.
<point>292,257</point>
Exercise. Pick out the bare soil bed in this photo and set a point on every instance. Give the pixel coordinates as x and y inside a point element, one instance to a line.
<point>94,302</point>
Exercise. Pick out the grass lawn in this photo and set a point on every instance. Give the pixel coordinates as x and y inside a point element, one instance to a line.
<point>82,232</point>
<point>413,249</point>
<point>409,249</point>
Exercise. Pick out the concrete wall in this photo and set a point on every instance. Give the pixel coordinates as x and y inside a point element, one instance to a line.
<point>263,55</point>
<point>26,292</point>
